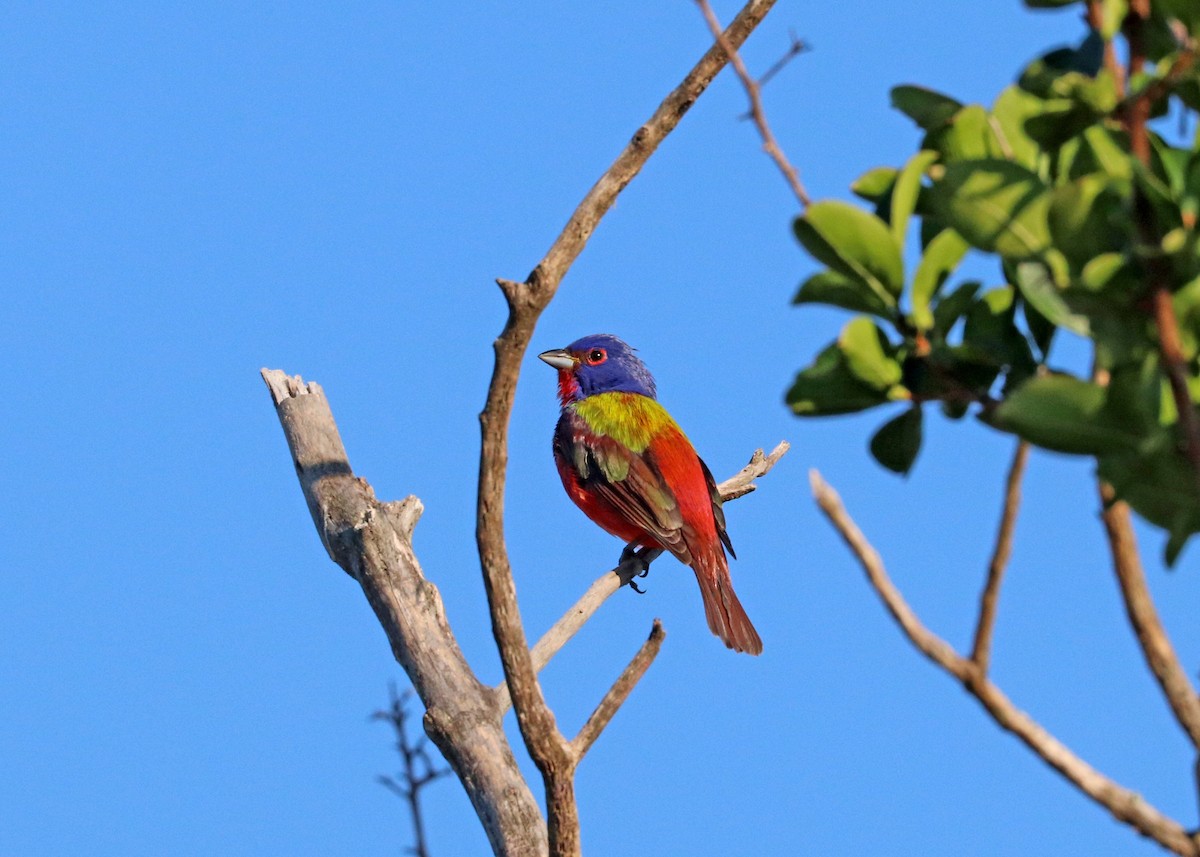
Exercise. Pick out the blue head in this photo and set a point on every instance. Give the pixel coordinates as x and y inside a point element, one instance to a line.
<point>600,363</point>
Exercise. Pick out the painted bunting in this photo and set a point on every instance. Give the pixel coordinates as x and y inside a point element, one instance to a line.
<point>633,471</point>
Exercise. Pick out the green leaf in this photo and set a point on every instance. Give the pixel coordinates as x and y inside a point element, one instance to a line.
<point>991,331</point>
<point>1060,121</point>
<point>938,262</point>
<point>1161,487</point>
<point>831,288</point>
<point>1186,302</point>
<point>1112,16</point>
<point>828,387</point>
<point>995,205</point>
<point>1086,218</point>
<point>866,351</point>
<point>1041,329</point>
<point>927,108</point>
<point>1056,74</point>
<point>967,136</point>
<point>1109,272</point>
<point>1065,414</point>
<point>898,441</point>
<point>905,191</point>
<point>1013,108</point>
<point>1037,287</point>
<point>1134,398</point>
<point>854,243</point>
<point>953,306</point>
<point>875,184</point>
<point>1098,149</point>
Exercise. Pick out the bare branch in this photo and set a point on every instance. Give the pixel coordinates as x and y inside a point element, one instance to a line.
<point>419,768</point>
<point>1139,606</point>
<point>619,692</point>
<point>1125,805</point>
<point>551,752</point>
<point>797,47</point>
<point>770,145</point>
<point>738,485</point>
<point>742,482</point>
<point>372,542</point>
<point>981,651</point>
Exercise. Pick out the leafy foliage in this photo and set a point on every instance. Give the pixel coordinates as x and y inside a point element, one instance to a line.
<point>1047,183</point>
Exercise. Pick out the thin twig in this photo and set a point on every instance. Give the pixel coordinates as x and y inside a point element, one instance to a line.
<point>797,47</point>
<point>1125,805</point>
<point>619,692</point>
<point>981,650</point>
<point>738,485</point>
<point>550,751</point>
<point>419,768</point>
<point>770,146</point>
<point>1139,605</point>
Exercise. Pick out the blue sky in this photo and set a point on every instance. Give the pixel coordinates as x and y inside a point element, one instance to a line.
<point>189,192</point>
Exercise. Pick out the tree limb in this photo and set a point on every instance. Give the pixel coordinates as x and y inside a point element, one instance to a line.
<point>738,485</point>
<point>754,93</point>
<point>372,541</point>
<point>619,692</point>
<point>981,650</point>
<point>1125,805</point>
<point>550,751</point>
<point>1139,606</point>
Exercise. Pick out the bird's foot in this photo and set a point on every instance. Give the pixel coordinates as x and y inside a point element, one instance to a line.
<point>633,557</point>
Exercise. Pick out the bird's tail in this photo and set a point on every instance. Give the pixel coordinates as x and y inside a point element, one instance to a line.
<point>725,614</point>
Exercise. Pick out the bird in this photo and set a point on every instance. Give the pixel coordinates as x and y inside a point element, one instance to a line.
<point>630,468</point>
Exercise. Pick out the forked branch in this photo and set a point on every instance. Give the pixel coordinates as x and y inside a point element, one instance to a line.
<point>549,749</point>
<point>1125,805</point>
<point>754,93</point>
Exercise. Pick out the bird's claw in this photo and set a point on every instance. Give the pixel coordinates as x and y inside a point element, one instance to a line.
<point>632,555</point>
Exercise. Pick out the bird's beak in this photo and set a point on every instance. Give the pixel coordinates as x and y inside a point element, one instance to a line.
<point>559,358</point>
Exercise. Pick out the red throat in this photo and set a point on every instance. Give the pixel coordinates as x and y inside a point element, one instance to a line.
<point>568,387</point>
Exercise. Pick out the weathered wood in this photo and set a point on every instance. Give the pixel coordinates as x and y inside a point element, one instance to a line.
<point>372,541</point>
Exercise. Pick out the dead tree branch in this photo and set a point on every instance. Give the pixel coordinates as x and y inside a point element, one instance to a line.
<point>1125,805</point>
<point>372,541</point>
<point>549,749</point>
<point>738,485</point>
<point>753,92</point>
<point>619,692</point>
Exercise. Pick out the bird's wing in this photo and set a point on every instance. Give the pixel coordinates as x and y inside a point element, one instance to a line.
<point>718,512</point>
<point>629,482</point>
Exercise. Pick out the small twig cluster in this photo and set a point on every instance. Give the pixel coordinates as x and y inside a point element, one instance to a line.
<point>754,93</point>
<point>419,767</point>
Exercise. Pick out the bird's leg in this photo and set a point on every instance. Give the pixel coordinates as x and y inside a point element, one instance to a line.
<point>635,562</point>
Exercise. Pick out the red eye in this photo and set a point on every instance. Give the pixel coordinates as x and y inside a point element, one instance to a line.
<point>596,356</point>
